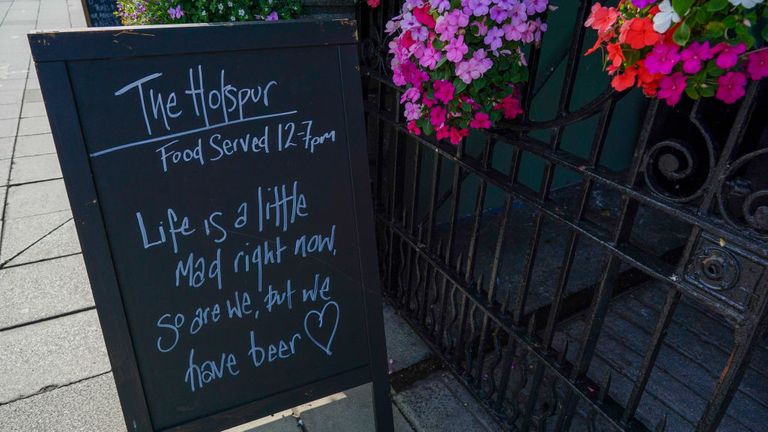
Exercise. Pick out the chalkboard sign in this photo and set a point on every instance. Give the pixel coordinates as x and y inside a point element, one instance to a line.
<point>218,178</point>
<point>100,13</point>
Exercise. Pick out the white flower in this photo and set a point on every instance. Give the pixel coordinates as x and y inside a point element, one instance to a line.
<point>749,4</point>
<point>232,18</point>
<point>203,12</point>
<point>663,20</point>
<point>240,12</point>
<point>229,4</point>
<point>221,7</point>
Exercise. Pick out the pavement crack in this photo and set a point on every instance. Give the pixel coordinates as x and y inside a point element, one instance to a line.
<point>52,387</point>
<point>5,263</point>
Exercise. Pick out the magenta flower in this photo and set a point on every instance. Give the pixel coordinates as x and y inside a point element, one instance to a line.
<point>757,64</point>
<point>693,55</point>
<point>514,32</point>
<point>642,3</point>
<point>437,117</point>
<point>272,16</point>
<point>728,55</point>
<point>481,121</point>
<point>662,59</point>
<point>671,88</point>
<point>444,91</point>
<point>456,49</point>
<point>730,87</point>
<point>493,38</point>
<point>176,12</point>
<point>518,12</point>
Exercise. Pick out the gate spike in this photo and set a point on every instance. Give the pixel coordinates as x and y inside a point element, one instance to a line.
<point>564,353</point>
<point>532,326</point>
<point>605,388</point>
<point>662,426</point>
<point>480,282</point>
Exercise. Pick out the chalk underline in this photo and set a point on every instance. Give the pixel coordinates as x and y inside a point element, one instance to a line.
<point>189,132</point>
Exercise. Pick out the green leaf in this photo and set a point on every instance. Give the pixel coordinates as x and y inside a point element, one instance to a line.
<point>681,6</point>
<point>682,34</point>
<point>692,93</point>
<point>730,21</point>
<point>438,44</point>
<point>764,33</point>
<point>716,5</point>
<point>459,85</point>
<point>707,90</point>
<point>427,128</point>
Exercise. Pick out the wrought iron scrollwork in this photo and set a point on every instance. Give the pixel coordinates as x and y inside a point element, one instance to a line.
<point>743,193</point>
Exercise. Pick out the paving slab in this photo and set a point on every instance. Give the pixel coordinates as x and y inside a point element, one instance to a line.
<point>440,403</point>
<point>22,233</point>
<point>33,95</point>
<point>36,198</point>
<point>351,410</point>
<point>33,145</point>
<point>35,168</point>
<point>87,406</point>
<point>404,347</point>
<point>50,353</point>
<point>9,110</point>
<point>8,126</point>
<point>34,125</point>
<point>42,290</point>
<point>33,109</point>
<point>6,147</point>
<point>5,168</point>
<point>61,242</point>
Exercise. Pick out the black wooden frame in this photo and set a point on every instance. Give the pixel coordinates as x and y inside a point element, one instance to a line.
<point>53,50</point>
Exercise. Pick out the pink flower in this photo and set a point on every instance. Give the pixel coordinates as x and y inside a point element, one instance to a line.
<point>481,121</point>
<point>757,64</point>
<point>437,117</point>
<point>441,5</point>
<point>474,68</point>
<point>412,74</point>
<point>728,55</point>
<point>671,88</point>
<point>536,6</point>
<point>493,38</point>
<point>430,57</point>
<point>176,12</point>
<point>448,25</point>
<point>411,95</point>
<point>412,111</point>
<point>662,58</point>
<point>442,133</point>
<point>477,8</point>
<point>456,49</point>
<point>693,55</point>
<point>412,128</point>
<point>272,16</point>
<point>730,87</point>
<point>373,4</point>
<point>642,3</point>
<point>499,14</point>
<point>514,32</point>
<point>444,91</point>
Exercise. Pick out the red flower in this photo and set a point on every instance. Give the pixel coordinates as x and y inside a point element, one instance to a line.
<point>510,107</point>
<point>649,82</point>
<point>638,33</point>
<point>373,3</point>
<point>624,81</point>
<point>615,54</point>
<point>422,15</point>
<point>601,18</point>
<point>412,128</point>
<point>481,121</point>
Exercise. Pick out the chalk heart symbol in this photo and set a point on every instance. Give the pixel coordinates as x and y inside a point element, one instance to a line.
<point>321,325</point>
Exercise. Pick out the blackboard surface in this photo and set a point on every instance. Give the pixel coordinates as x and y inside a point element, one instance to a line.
<point>100,13</point>
<point>219,182</point>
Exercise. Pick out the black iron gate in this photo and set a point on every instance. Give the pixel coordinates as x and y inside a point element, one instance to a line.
<point>568,290</point>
